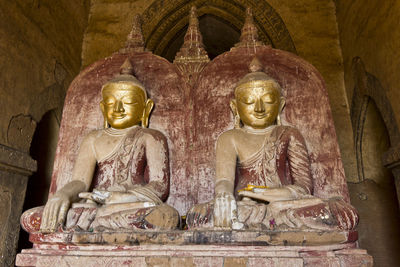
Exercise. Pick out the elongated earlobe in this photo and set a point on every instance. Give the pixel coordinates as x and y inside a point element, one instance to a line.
<point>281,106</point>
<point>146,113</point>
<point>105,123</point>
<point>235,114</point>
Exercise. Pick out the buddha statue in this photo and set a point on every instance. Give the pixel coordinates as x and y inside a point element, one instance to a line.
<point>263,179</point>
<point>121,175</point>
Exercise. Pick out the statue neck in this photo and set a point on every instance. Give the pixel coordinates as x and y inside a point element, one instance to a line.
<point>119,132</point>
<point>252,130</point>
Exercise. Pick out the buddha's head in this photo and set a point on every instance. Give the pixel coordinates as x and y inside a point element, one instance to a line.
<point>125,101</point>
<point>258,99</point>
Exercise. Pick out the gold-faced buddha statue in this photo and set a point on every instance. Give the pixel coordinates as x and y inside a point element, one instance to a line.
<point>263,177</point>
<point>125,166</point>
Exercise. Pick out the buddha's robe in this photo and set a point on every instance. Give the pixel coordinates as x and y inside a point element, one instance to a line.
<point>282,161</point>
<point>140,159</point>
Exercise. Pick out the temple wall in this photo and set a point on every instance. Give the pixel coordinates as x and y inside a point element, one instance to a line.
<point>109,24</point>
<point>40,53</point>
<point>311,24</point>
<point>370,31</point>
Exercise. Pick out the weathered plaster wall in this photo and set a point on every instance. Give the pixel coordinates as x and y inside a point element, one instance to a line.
<point>40,53</point>
<point>109,24</point>
<point>370,30</point>
<point>311,23</point>
<point>375,197</point>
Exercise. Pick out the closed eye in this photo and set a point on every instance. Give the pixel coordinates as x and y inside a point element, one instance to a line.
<point>130,101</point>
<point>269,99</point>
<point>247,101</point>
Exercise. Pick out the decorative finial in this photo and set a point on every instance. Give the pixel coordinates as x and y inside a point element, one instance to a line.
<point>135,40</point>
<point>255,65</point>
<point>193,21</point>
<point>193,47</point>
<point>126,67</point>
<point>192,57</point>
<point>249,33</point>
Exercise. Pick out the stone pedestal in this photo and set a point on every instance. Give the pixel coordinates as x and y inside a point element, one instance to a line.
<point>195,248</point>
<point>15,167</point>
<point>194,255</point>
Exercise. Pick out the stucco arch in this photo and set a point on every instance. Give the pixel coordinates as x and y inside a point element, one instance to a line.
<point>165,19</point>
<point>368,87</point>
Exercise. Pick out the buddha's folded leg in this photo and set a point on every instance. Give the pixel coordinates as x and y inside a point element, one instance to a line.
<point>77,219</point>
<point>80,218</point>
<point>345,214</point>
<point>251,213</point>
<point>316,216</point>
<point>162,217</point>
<point>332,214</point>
<point>201,216</point>
<point>31,219</point>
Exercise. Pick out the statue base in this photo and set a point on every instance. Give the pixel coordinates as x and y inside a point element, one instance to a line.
<point>195,248</point>
<point>193,255</point>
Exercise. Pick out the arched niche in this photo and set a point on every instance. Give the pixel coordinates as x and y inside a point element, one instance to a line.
<point>374,142</point>
<point>165,23</point>
<point>42,149</point>
<point>368,87</point>
<point>376,136</point>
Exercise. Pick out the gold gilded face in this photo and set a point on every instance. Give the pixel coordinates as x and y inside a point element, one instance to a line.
<point>124,105</point>
<point>258,103</point>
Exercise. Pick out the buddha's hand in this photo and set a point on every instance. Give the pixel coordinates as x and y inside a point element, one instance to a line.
<point>225,211</point>
<point>55,212</point>
<point>138,194</point>
<point>268,194</point>
<point>108,197</point>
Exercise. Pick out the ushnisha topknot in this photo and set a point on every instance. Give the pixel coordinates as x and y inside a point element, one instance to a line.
<point>257,77</point>
<point>126,77</point>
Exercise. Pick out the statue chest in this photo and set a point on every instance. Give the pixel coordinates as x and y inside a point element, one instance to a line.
<point>124,168</point>
<point>261,168</point>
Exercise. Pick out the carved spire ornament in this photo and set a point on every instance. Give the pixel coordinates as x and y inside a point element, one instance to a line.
<point>192,57</point>
<point>134,41</point>
<point>249,33</point>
